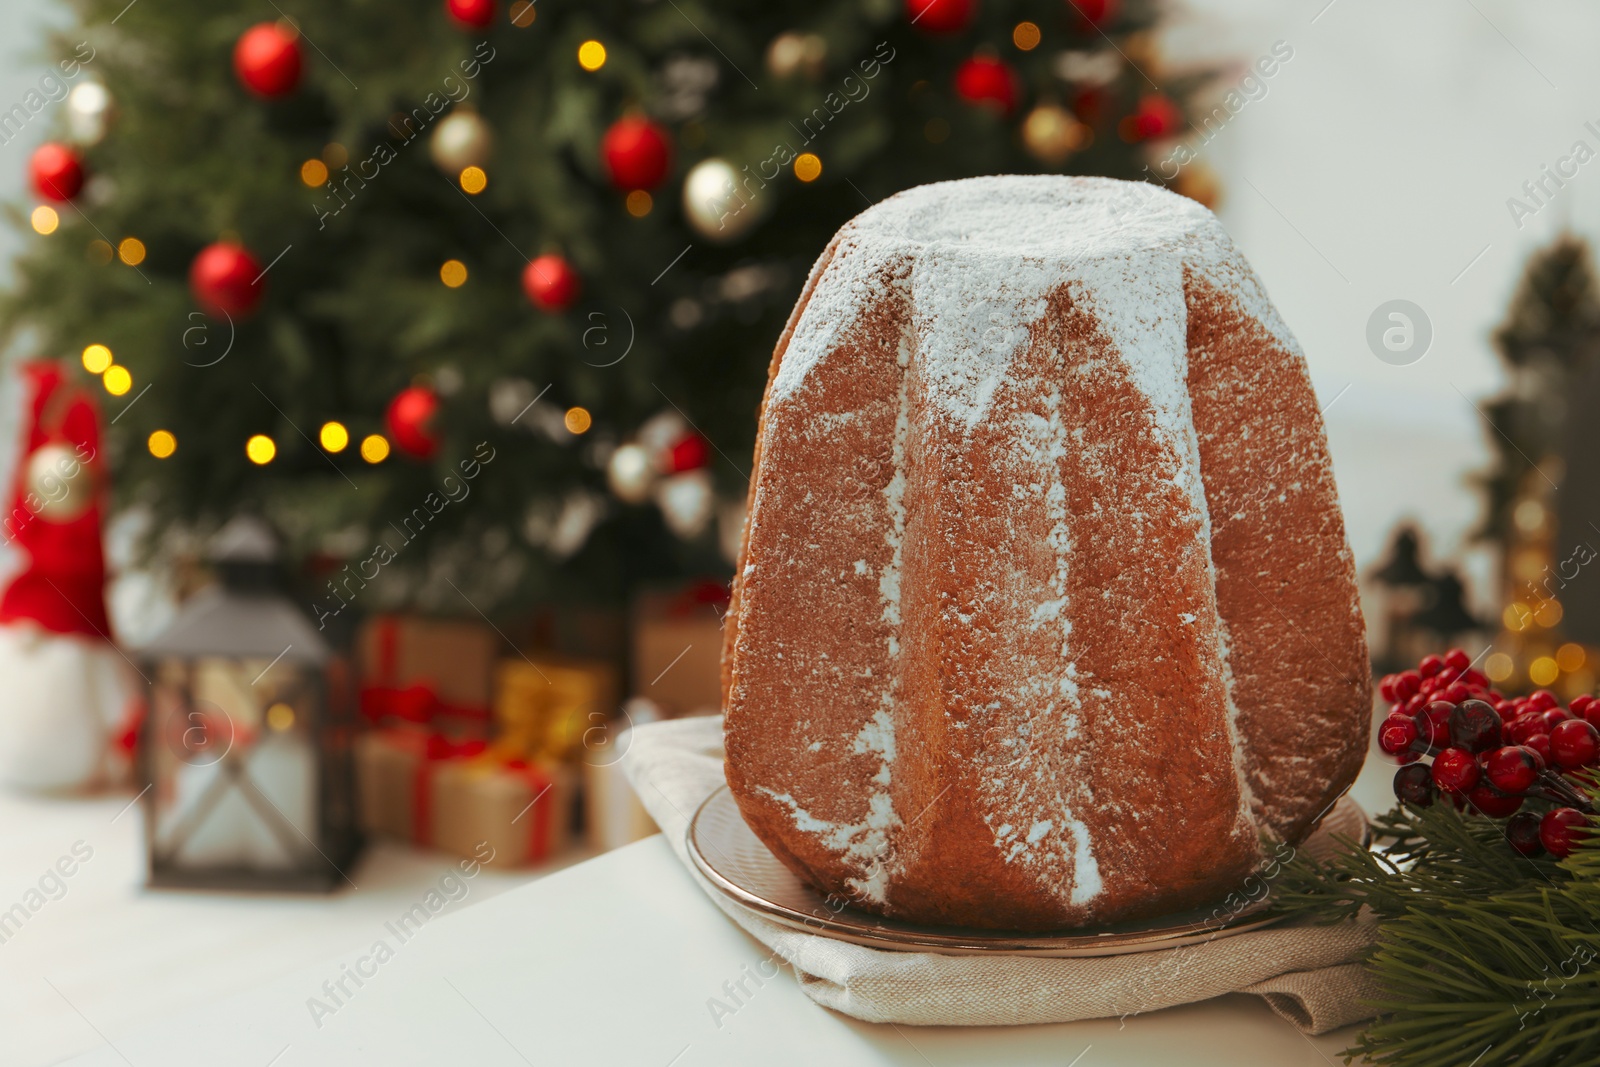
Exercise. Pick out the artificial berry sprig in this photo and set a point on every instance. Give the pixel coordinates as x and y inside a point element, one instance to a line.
<point>1491,753</point>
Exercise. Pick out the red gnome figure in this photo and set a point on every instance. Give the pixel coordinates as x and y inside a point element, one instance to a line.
<point>66,686</point>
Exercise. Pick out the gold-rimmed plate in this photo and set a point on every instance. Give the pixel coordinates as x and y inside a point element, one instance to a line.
<point>735,861</point>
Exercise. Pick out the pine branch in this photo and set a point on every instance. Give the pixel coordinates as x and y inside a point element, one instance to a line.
<point>1484,956</point>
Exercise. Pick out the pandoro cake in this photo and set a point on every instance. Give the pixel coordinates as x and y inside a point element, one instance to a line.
<point>1045,615</point>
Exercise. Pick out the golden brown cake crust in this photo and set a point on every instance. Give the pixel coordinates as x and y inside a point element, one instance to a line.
<point>1029,512</point>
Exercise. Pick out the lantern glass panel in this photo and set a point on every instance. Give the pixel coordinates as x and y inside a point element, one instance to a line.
<point>235,766</point>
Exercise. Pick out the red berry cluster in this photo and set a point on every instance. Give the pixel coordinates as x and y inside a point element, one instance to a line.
<point>1492,753</point>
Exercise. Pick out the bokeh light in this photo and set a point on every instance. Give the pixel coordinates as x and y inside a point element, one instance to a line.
<point>591,55</point>
<point>314,172</point>
<point>453,273</point>
<point>474,180</point>
<point>44,219</point>
<point>260,448</point>
<point>96,358</point>
<point>578,420</point>
<point>117,380</point>
<point>334,436</point>
<point>131,251</point>
<point>162,444</point>
<point>374,448</point>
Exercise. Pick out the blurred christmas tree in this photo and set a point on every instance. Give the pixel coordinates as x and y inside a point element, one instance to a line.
<point>332,261</point>
<point>1542,511</point>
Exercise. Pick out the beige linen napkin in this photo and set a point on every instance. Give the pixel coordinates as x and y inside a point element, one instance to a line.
<point>1308,974</point>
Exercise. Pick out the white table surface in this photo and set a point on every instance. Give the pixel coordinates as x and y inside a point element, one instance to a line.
<point>613,962</point>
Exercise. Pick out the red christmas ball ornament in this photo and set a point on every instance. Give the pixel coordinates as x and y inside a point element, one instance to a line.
<point>410,421</point>
<point>226,280</point>
<point>636,152</point>
<point>56,171</point>
<point>688,453</point>
<point>474,14</point>
<point>988,82</point>
<point>268,60</point>
<point>551,283</point>
<point>941,16</point>
<point>1157,116</point>
<point>1096,13</point>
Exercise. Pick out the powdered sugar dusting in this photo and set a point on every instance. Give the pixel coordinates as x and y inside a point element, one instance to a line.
<point>978,265</point>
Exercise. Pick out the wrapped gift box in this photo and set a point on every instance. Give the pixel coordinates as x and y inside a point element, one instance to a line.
<point>677,648</point>
<point>434,672</point>
<point>456,796</point>
<point>545,705</point>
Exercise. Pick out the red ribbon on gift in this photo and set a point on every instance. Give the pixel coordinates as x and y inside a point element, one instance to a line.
<point>419,702</point>
<point>538,821</point>
<point>434,749</point>
<point>693,597</point>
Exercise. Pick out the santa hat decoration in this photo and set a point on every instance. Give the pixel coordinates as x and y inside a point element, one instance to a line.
<point>55,510</point>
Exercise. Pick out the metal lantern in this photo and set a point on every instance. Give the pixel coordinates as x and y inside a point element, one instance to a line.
<point>246,750</point>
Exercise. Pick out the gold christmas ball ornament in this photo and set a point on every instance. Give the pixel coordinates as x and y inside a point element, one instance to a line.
<point>89,112</point>
<point>463,139</point>
<point>717,204</point>
<point>1051,133</point>
<point>792,53</point>
<point>1199,183</point>
<point>60,486</point>
<point>630,474</point>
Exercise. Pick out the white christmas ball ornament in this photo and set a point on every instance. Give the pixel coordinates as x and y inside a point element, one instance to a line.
<point>631,474</point>
<point>60,485</point>
<point>461,140</point>
<point>88,112</point>
<point>717,206</point>
<point>686,502</point>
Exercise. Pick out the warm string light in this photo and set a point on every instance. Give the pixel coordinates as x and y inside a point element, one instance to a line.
<point>260,449</point>
<point>591,55</point>
<point>45,220</point>
<point>1026,36</point>
<point>453,273</point>
<point>96,358</point>
<point>808,166</point>
<point>639,203</point>
<point>374,448</point>
<point>117,380</point>
<point>131,251</point>
<point>162,444</point>
<point>474,180</point>
<point>333,436</point>
<point>314,172</point>
<point>578,420</point>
